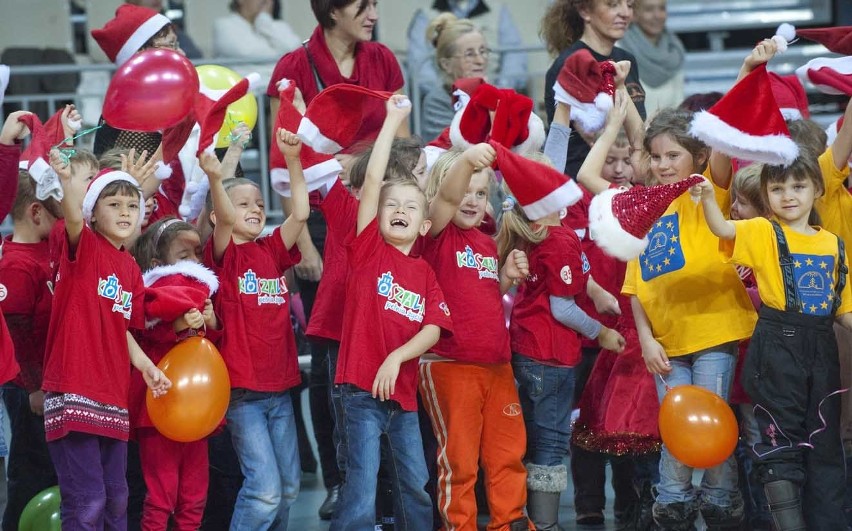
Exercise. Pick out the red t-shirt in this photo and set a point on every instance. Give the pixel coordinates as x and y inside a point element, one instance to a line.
<point>465,262</point>
<point>98,297</point>
<point>557,268</point>
<point>253,301</point>
<point>26,296</point>
<point>340,210</point>
<point>390,297</point>
<point>375,68</point>
<point>9,157</point>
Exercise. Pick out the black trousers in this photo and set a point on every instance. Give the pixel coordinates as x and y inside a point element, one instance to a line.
<point>791,369</point>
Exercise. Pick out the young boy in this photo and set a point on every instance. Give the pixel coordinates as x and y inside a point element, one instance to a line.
<point>395,311</point>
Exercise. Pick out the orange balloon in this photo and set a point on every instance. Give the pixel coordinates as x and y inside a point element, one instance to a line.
<point>201,389</point>
<point>697,426</point>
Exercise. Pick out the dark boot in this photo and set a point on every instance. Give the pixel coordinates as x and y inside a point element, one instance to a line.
<point>639,517</point>
<point>720,518</point>
<point>544,487</point>
<point>785,505</point>
<point>521,524</point>
<point>677,516</point>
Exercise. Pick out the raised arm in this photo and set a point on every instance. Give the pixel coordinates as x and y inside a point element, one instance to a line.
<point>719,226</point>
<point>398,108</point>
<point>454,186</point>
<point>293,226</point>
<point>224,215</point>
<point>841,148</point>
<point>73,192</point>
<point>590,172</point>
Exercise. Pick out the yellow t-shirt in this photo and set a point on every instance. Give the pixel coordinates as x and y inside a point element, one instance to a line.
<point>693,299</point>
<point>835,207</point>
<point>814,261</point>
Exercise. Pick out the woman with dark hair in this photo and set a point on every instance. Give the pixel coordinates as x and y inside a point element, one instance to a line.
<point>340,50</point>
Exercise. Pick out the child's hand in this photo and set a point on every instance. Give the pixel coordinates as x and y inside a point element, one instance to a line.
<point>480,156</point>
<point>703,191</point>
<point>398,107</point>
<point>762,53</point>
<point>71,121</point>
<point>194,318</point>
<point>616,115</point>
<point>655,357</point>
<point>37,402</point>
<point>385,383</point>
<point>240,136</point>
<point>140,168</point>
<point>622,68</point>
<point>289,143</point>
<point>60,164</point>
<point>517,266</point>
<point>606,303</point>
<point>13,129</point>
<point>211,166</point>
<point>611,340</point>
<point>209,315</point>
<point>156,381</point>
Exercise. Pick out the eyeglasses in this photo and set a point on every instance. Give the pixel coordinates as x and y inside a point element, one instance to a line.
<point>471,55</point>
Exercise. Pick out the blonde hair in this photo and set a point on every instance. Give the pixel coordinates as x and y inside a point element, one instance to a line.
<point>747,184</point>
<point>443,32</point>
<point>439,171</point>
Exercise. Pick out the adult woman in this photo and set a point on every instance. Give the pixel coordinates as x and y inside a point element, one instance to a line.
<point>460,51</point>
<point>339,51</point>
<point>596,25</point>
<point>660,55</point>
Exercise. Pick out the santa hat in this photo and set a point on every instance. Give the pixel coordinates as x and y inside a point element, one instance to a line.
<point>36,158</point>
<point>501,115</point>
<point>211,106</point>
<point>333,118</point>
<point>319,169</point>
<point>790,96</point>
<point>828,75</point>
<point>588,87</point>
<point>96,186</point>
<point>128,31</point>
<point>539,189</point>
<point>746,123</point>
<point>172,290</point>
<point>831,131</point>
<point>620,218</point>
<point>837,39</point>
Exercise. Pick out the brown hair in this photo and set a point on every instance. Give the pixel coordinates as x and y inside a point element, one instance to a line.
<point>809,134</point>
<point>322,10</point>
<point>675,123</point>
<point>404,156</point>
<point>154,243</point>
<point>26,196</point>
<point>804,168</point>
<point>700,102</point>
<point>562,24</point>
<point>746,183</point>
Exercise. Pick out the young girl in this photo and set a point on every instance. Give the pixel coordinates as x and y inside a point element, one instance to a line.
<point>678,286</point>
<point>544,331</point>
<point>176,474</point>
<point>258,344</point>
<point>793,373</point>
<point>86,381</point>
<point>466,381</point>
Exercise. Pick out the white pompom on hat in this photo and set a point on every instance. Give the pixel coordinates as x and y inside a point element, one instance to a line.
<point>588,86</point>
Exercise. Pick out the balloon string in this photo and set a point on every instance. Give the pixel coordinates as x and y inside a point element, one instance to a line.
<point>233,137</point>
<point>66,153</point>
<point>660,376</point>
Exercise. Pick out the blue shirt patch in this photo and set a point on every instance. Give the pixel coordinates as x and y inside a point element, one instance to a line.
<point>664,253</point>
<point>815,282</point>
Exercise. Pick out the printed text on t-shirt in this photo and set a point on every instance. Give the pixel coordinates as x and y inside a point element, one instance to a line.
<point>406,303</point>
<point>268,290</point>
<point>109,288</point>
<point>485,265</point>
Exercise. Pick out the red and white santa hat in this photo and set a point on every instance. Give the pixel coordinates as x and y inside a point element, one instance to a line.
<point>828,75</point>
<point>36,158</point>
<point>461,91</point>
<point>539,189</point>
<point>831,131</point>
<point>319,169</point>
<point>588,87</point>
<point>211,106</point>
<point>837,39</point>
<point>620,218</point>
<point>333,118</point>
<point>172,290</point>
<point>746,123</point>
<point>97,185</point>
<point>128,31</point>
<point>501,115</point>
<point>790,96</point>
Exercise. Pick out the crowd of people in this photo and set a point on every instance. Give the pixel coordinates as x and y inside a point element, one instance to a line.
<point>481,307</point>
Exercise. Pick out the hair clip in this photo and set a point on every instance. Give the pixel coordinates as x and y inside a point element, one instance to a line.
<point>509,203</point>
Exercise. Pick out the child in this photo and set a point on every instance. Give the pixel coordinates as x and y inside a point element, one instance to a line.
<point>86,383</point>
<point>176,473</point>
<point>466,381</point>
<point>677,286</point>
<point>258,344</point>
<point>792,369</point>
<point>396,297</point>
<point>544,331</point>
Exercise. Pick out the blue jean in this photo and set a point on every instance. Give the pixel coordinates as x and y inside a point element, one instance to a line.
<point>546,394</point>
<point>263,431</point>
<point>366,420</point>
<point>712,369</point>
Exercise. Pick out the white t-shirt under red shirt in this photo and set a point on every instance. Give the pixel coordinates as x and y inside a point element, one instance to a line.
<point>390,296</point>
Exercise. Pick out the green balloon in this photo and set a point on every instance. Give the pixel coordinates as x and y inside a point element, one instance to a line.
<point>42,512</point>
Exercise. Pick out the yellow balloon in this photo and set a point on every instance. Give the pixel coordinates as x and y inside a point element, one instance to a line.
<point>244,110</point>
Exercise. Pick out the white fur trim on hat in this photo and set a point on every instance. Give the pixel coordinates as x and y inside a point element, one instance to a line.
<point>769,149</point>
<point>841,65</point>
<point>535,139</point>
<point>47,181</point>
<point>314,175</point>
<point>162,171</point>
<point>97,187</point>
<point>566,195</point>
<point>432,153</point>
<point>589,116</point>
<point>456,138</point>
<point>187,268</point>
<point>791,114</point>
<point>606,230</point>
<point>312,136</point>
<point>140,36</point>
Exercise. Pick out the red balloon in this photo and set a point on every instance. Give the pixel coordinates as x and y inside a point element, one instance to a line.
<point>697,426</point>
<point>152,91</point>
